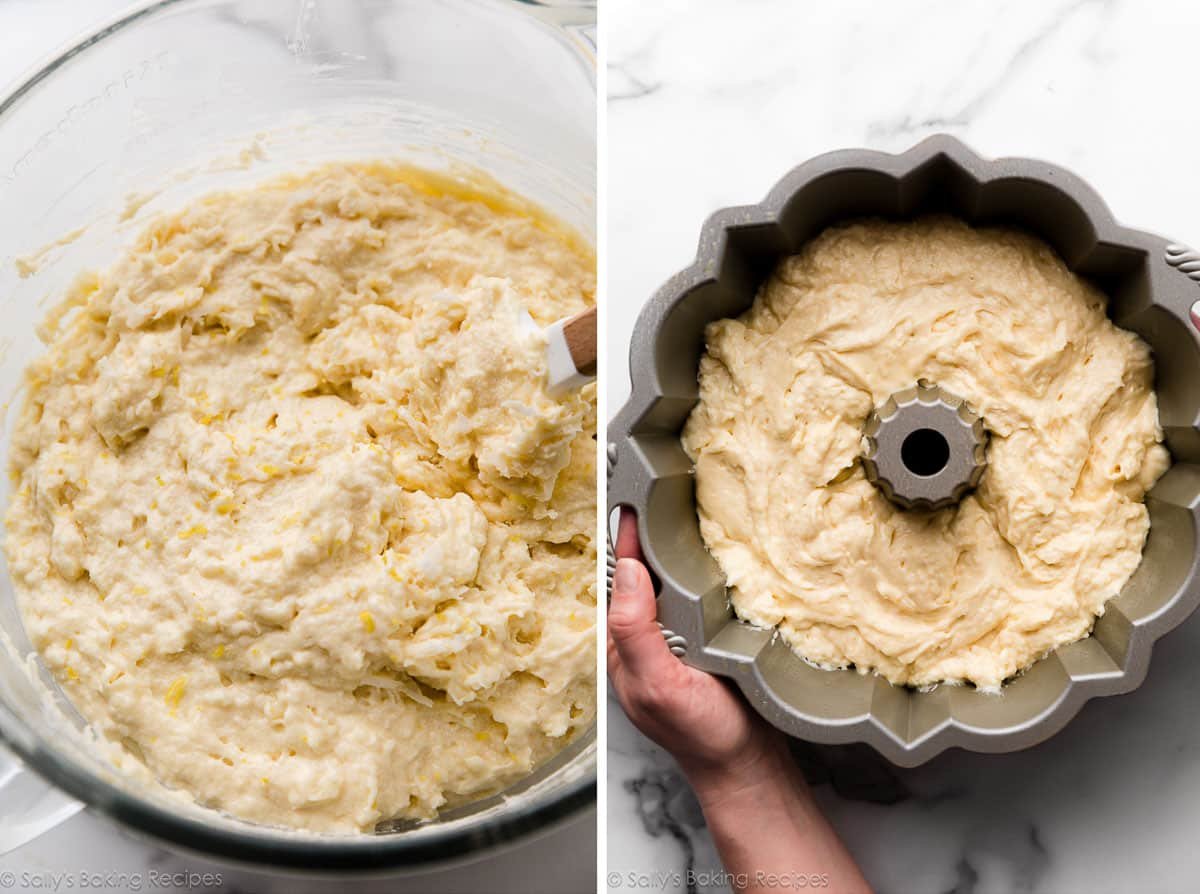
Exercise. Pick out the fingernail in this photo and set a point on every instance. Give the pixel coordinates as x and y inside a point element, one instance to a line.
<point>625,578</point>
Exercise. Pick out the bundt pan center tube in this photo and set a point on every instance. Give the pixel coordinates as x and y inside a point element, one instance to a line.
<point>1153,288</point>
<point>925,448</point>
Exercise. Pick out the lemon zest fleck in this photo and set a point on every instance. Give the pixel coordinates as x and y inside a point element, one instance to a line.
<point>175,692</point>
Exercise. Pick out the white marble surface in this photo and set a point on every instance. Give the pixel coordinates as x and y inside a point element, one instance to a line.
<point>710,101</point>
<point>88,852</point>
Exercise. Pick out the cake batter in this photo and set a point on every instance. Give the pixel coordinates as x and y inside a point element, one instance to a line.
<point>976,592</point>
<point>295,520</point>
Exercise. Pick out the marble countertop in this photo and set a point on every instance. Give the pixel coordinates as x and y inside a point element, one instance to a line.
<point>710,102</point>
<point>88,851</point>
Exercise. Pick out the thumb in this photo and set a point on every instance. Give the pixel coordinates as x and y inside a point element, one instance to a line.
<point>631,622</point>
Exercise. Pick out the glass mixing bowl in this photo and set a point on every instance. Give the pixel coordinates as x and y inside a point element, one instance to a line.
<point>180,97</point>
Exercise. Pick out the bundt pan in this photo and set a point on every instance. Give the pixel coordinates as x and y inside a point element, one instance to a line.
<point>1154,290</point>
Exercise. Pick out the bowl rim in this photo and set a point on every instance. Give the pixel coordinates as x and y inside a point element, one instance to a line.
<point>260,846</point>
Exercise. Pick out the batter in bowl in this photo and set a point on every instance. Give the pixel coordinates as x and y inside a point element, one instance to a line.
<point>975,592</point>
<point>296,523</point>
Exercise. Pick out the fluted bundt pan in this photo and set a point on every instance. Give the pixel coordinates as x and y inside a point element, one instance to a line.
<point>1152,286</point>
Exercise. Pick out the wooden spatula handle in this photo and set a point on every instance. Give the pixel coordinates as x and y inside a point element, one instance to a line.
<point>571,352</point>
<point>580,334</point>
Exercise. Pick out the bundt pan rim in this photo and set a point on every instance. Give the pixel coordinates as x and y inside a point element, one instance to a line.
<point>1152,285</point>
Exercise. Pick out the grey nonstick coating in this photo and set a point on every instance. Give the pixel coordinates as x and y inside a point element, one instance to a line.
<point>924,407</point>
<point>1151,290</point>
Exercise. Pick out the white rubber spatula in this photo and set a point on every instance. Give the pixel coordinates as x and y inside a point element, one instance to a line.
<point>571,351</point>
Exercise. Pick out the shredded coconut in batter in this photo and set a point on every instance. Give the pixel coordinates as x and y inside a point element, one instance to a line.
<point>296,521</point>
<point>976,592</point>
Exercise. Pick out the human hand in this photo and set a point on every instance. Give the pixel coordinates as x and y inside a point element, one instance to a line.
<point>759,809</point>
<point>701,720</point>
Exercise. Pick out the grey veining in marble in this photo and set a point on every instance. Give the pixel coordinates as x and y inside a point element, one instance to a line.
<point>710,101</point>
